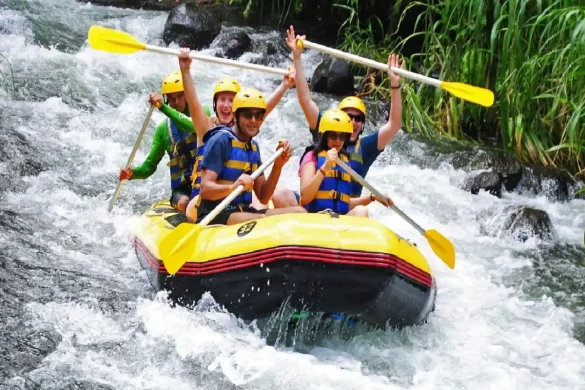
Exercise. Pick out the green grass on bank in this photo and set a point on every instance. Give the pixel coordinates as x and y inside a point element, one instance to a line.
<point>530,53</point>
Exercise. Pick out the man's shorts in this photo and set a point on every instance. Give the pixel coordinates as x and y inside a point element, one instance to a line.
<point>223,216</point>
<point>183,190</point>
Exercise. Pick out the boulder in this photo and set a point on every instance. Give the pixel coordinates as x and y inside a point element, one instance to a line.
<point>272,53</point>
<point>498,162</point>
<point>556,185</point>
<point>192,26</point>
<point>232,45</point>
<point>487,181</point>
<point>520,223</point>
<point>333,76</point>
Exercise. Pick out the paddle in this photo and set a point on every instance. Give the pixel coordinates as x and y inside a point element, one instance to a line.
<point>440,244</point>
<point>481,96</point>
<point>114,41</point>
<point>174,252</point>
<point>131,158</point>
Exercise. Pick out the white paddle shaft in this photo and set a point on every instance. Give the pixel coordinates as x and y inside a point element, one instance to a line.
<point>131,158</point>
<point>378,194</point>
<point>218,209</point>
<point>371,63</point>
<point>216,60</point>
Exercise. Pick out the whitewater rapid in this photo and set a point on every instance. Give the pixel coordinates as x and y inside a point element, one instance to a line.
<point>79,311</point>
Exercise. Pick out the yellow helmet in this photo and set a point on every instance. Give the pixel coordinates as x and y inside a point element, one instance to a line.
<point>249,98</point>
<point>173,82</point>
<point>335,120</point>
<point>353,102</point>
<point>227,84</point>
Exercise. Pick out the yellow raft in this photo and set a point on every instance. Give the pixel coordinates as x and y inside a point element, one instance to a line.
<point>317,262</point>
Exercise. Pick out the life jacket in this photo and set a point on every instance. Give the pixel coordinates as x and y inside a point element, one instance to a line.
<point>196,175</point>
<point>356,159</point>
<point>244,157</point>
<point>334,191</point>
<point>356,162</point>
<point>182,155</point>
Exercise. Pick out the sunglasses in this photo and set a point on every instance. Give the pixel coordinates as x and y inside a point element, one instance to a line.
<point>358,118</point>
<point>336,136</point>
<point>258,115</point>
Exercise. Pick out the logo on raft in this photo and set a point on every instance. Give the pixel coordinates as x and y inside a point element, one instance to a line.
<point>246,228</point>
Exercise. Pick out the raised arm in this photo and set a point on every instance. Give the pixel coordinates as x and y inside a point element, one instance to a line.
<point>182,121</point>
<point>303,93</point>
<point>394,123</point>
<point>274,98</point>
<point>198,115</point>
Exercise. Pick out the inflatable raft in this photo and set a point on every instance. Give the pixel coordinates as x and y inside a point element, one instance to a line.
<point>315,262</point>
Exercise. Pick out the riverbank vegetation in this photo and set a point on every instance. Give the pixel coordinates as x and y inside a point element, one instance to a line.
<point>531,54</point>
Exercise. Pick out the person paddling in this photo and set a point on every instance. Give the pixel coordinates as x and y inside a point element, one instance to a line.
<point>175,136</point>
<point>224,93</point>
<point>229,160</point>
<point>363,149</point>
<point>324,184</point>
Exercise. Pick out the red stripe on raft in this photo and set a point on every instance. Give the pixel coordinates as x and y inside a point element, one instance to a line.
<point>299,253</point>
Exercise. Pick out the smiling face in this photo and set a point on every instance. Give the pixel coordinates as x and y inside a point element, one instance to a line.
<point>249,121</point>
<point>357,119</point>
<point>223,107</point>
<point>177,101</point>
<point>335,139</point>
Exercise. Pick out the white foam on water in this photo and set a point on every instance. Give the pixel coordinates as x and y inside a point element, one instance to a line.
<point>484,334</point>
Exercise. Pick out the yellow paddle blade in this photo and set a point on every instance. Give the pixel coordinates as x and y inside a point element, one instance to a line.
<point>178,246</point>
<point>113,41</point>
<point>442,247</point>
<point>481,96</point>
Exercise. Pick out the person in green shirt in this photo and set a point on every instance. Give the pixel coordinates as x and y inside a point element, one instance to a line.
<point>176,136</point>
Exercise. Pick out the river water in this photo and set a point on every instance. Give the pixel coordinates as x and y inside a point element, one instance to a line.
<point>77,311</point>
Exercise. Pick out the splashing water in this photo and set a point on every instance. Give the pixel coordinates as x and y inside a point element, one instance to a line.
<point>78,311</point>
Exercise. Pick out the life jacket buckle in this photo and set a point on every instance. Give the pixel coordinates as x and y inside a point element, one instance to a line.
<point>336,195</point>
<point>182,161</point>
